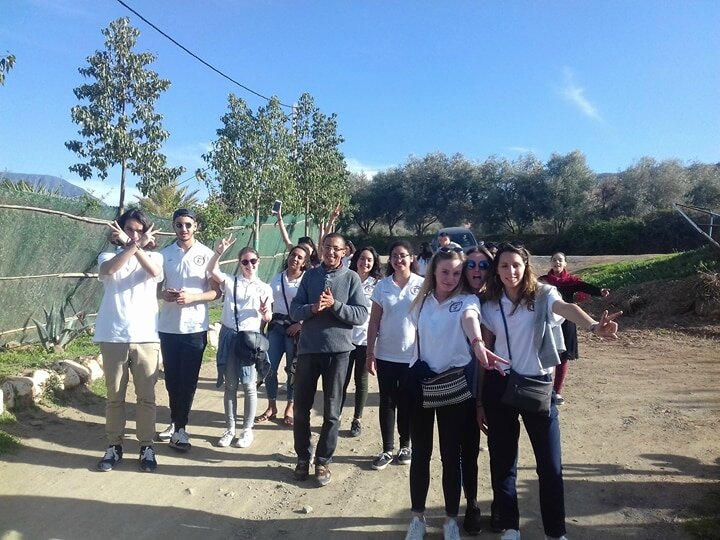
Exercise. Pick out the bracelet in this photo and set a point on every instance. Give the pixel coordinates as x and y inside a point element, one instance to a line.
<point>593,327</point>
<point>477,340</point>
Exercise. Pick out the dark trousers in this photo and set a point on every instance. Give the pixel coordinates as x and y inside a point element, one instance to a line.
<point>356,367</point>
<point>182,357</point>
<point>392,383</point>
<point>503,433</point>
<point>332,368</point>
<point>469,455</point>
<point>451,420</point>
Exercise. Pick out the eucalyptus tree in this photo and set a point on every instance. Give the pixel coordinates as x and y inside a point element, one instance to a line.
<point>363,199</point>
<point>117,116</point>
<point>569,182</point>
<point>321,174</point>
<point>390,196</point>
<point>251,159</point>
<point>7,62</point>
<point>428,179</point>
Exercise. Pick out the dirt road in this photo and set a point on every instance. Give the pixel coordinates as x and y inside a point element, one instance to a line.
<point>640,436</point>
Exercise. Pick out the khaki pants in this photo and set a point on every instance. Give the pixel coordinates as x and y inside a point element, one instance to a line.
<point>119,360</point>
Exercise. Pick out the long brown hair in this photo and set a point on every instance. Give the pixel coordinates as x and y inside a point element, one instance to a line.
<point>428,286</point>
<point>528,285</point>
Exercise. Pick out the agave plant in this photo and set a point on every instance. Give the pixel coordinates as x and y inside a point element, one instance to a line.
<point>58,331</point>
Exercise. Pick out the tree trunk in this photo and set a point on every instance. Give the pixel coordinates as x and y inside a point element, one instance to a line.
<point>307,212</point>
<point>256,226</point>
<point>121,203</point>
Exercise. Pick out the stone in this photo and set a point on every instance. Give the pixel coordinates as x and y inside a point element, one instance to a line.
<point>8,393</point>
<point>96,372</point>
<point>12,345</point>
<point>22,390</point>
<point>40,378</point>
<point>69,378</point>
<point>82,372</point>
<point>2,402</point>
<point>307,509</point>
<point>214,335</point>
<point>190,491</point>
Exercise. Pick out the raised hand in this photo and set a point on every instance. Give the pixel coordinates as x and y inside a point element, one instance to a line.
<point>263,306</point>
<point>488,359</point>
<point>224,245</point>
<point>148,237</point>
<point>607,327</point>
<point>118,234</point>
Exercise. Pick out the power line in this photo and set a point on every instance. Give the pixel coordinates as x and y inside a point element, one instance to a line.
<point>198,58</point>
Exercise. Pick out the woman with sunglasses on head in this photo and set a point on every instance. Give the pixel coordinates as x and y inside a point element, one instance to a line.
<point>567,284</point>
<point>478,261</point>
<point>247,307</point>
<point>284,332</point>
<point>391,349</point>
<point>447,316</point>
<point>518,320</point>
<point>366,263</point>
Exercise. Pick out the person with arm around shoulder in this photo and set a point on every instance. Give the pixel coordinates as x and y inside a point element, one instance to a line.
<point>329,302</point>
<point>126,330</point>
<point>447,316</point>
<point>246,309</point>
<point>184,321</point>
<point>517,320</point>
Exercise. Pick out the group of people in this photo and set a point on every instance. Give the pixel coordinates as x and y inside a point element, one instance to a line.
<point>447,349</point>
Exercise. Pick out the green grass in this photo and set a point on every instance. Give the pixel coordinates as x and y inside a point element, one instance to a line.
<point>662,267</point>
<point>98,387</point>
<point>706,525</point>
<point>18,361</point>
<point>8,442</point>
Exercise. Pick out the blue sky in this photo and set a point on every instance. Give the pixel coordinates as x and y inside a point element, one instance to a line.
<point>616,80</point>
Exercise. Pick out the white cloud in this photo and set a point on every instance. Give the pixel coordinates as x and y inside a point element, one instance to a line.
<point>521,150</point>
<point>356,166</point>
<point>576,96</point>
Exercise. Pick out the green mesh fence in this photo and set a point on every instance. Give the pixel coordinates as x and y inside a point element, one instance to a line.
<point>38,244</point>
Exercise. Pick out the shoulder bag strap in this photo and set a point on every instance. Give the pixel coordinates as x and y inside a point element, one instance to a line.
<point>507,334</point>
<point>282,286</point>
<point>417,328</point>
<point>237,324</point>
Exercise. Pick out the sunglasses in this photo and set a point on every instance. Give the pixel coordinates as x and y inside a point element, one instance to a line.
<point>245,262</point>
<point>183,225</point>
<point>449,249</point>
<point>482,265</point>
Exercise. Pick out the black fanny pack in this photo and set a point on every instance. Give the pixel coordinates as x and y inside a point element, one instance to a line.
<point>281,320</point>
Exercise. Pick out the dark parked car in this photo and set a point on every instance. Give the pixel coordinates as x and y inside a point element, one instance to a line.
<point>460,235</point>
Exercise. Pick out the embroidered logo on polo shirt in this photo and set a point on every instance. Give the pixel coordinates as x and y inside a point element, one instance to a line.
<point>368,288</point>
<point>414,290</point>
<point>455,306</point>
<point>200,260</point>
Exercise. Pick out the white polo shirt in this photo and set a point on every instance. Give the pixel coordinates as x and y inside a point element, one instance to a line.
<point>249,294</point>
<point>443,344</point>
<point>521,326</point>
<point>185,270</point>
<point>359,335</point>
<point>291,289</point>
<point>128,310</point>
<point>396,335</point>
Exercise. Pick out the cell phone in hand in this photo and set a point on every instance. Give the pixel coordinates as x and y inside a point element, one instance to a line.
<point>277,205</point>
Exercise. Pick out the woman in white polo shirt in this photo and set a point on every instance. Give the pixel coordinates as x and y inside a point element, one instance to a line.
<point>517,310</point>
<point>284,332</point>
<point>391,349</point>
<point>247,306</point>
<point>448,316</point>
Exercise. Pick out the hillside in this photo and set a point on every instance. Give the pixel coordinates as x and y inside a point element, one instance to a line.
<point>49,182</point>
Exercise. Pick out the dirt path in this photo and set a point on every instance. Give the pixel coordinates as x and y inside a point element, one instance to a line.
<point>640,434</point>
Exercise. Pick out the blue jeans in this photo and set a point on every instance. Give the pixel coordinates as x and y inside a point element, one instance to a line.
<point>280,343</point>
<point>182,358</point>
<point>503,433</point>
<point>332,368</point>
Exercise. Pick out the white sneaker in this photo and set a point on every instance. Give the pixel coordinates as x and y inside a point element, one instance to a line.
<point>417,528</point>
<point>510,534</point>
<point>167,433</point>
<point>563,537</point>
<point>180,440</point>
<point>451,530</point>
<point>226,438</point>
<point>245,439</point>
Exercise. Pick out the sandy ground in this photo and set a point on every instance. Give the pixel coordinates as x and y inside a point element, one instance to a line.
<point>641,445</point>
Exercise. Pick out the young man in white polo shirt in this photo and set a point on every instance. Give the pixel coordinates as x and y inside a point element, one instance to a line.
<point>126,329</point>
<point>184,321</point>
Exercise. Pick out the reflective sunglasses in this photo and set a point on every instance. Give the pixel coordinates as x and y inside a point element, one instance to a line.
<point>245,262</point>
<point>482,265</point>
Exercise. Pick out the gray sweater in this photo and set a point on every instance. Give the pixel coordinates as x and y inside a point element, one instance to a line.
<point>330,330</point>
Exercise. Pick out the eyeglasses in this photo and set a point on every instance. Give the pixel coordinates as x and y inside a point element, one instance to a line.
<point>183,225</point>
<point>245,262</point>
<point>482,265</point>
<point>449,249</point>
<point>333,249</point>
<point>399,256</point>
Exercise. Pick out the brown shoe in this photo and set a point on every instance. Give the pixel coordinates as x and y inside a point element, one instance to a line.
<point>322,474</point>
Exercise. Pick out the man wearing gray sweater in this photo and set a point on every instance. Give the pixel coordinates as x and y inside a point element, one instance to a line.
<point>329,302</point>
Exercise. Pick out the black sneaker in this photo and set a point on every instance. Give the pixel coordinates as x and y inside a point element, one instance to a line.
<point>302,470</point>
<point>148,463</point>
<point>355,428</point>
<point>382,460</point>
<point>473,519</point>
<point>113,456</point>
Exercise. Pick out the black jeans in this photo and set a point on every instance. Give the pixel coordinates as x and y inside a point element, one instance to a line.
<point>182,357</point>
<point>452,421</point>
<point>469,456</point>
<point>332,368</point>
<point>503,433</point>
<point>392,383</point>
<point>356,367</point>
